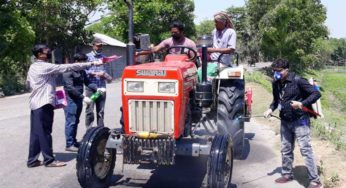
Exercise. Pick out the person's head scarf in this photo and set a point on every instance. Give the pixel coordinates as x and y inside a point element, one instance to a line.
<point>224,18</point>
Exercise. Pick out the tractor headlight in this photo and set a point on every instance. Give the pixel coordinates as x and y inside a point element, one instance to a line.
<point>167,87</point>
<point>135,86</point>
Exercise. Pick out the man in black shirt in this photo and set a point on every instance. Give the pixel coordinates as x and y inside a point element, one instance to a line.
<point>73,85</point>
<point>291,95</point>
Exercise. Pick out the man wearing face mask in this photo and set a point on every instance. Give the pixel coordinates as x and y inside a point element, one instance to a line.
<point>290,94</point>
<point>41,79</point>
<point>97,76</point>
<point>177,39</point>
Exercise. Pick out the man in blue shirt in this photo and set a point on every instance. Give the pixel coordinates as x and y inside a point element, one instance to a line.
<point>98,76</point>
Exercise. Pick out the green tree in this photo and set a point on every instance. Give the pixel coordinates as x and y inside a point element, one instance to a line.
<point>241,24</point>
<point>205,27</point>
<point>290,30</point>
<point>255,10</point>
<point>16,40</point>
<point>339,50</point>
<point>150,16</point>
<point>60,23</point>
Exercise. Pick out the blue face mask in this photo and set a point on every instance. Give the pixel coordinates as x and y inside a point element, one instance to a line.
<point>277,75</point>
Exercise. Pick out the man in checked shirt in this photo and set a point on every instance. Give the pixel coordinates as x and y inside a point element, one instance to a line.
<point>96,75</point>
<point>290,94</point>
<point>41,79</point>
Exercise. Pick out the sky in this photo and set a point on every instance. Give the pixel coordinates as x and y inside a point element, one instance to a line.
<point>336,12</point>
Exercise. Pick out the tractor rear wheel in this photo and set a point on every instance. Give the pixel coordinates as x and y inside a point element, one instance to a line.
<point>95,162</point>
<point>230,111</point>
<point>220,162</point>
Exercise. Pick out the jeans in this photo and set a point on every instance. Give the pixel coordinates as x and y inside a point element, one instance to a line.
<point>72,113</point>
<point>89,111</point>
<point>300,130</point>
<point>41,122</point>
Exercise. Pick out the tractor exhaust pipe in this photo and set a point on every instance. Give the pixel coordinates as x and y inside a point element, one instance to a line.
<point>130,47</point>
<point>204,63</point>
<point>204,91</point>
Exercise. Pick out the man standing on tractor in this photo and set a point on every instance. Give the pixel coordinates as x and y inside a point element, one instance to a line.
<point>177,39</point>
<point>97,76</point>
<point>291,95</point>
<point>224,40</point>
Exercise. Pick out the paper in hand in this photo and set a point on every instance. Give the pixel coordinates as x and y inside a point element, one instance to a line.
<point>110,58</point>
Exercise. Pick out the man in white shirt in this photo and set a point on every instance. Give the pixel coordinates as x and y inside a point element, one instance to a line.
<point>224,39</point>
<point>41,79</point>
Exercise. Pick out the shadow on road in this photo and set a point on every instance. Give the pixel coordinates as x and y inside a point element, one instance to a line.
<point>187,172</point>
<point>300,174</point>
<point>246,150</point>
<point>65,157</point>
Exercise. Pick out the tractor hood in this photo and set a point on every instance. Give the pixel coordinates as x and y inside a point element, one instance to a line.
<point>171,68</point>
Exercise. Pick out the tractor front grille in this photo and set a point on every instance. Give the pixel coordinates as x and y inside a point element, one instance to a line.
<point>151,116</point>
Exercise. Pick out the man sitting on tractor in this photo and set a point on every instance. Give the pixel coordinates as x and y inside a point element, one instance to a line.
<point>224,44</point>
<point>224,39</point>
<point>177,39</point>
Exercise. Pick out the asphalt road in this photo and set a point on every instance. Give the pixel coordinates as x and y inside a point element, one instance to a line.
<point>258,168</point>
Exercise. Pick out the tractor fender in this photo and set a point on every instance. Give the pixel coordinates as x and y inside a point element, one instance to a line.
<point>234,73</point>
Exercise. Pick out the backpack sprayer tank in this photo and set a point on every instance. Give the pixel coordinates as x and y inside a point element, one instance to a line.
<point>204,91</point>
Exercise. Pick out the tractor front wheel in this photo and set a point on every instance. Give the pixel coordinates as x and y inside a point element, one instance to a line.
<point>95,162</point>
<point>220,162</point>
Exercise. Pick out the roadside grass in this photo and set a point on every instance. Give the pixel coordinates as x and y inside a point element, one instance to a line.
<point>259,78</point>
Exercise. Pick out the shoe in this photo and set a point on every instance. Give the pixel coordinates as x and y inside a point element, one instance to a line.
<point>35,164</point>
<point>77,144</point>
<point>56,164</point>
<point>315,185</point>
<point>72,149</point>
<point>284,179</point>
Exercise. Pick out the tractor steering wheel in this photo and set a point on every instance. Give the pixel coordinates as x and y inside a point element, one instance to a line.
<point>192,56</point>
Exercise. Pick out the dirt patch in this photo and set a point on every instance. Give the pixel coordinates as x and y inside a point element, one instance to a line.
<point>331,163</point>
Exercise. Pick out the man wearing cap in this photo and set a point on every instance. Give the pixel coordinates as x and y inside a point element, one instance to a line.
<point>98,76</point>
<point>41,79</point>
<point>224,39</point>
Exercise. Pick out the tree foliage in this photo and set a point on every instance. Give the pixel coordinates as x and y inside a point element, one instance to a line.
<point>57,23</point>
<point>150,16</point>
<point>60,23</point>
<point>290,29</point>
<point>241,23</point>
<point>16,40</point>
<point>339,50</point>
<point>205,27</point>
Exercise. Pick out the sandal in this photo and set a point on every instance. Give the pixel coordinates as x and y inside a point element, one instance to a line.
<point>56,164</point>
<point>284,179</point>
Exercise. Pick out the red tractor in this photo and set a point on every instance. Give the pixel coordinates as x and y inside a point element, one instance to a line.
<point>167,112</point>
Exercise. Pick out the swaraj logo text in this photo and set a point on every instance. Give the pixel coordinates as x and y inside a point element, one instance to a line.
<point>151,73</point>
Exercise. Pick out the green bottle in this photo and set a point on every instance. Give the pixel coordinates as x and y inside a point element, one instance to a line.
<point>95,96</point>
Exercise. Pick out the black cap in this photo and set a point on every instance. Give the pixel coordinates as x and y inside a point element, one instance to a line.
<point>38,48</point>
<point>80,57</point>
